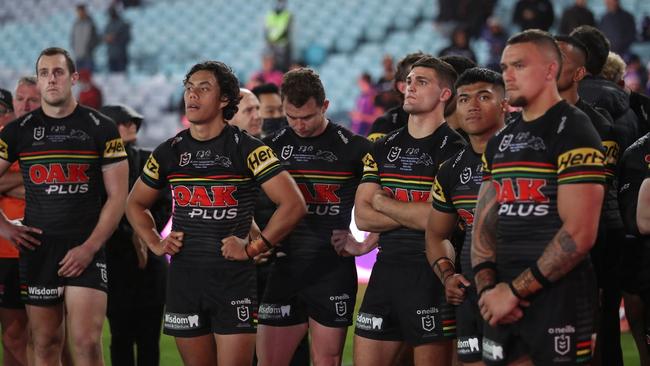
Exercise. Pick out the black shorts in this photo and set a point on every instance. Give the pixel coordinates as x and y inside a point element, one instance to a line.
<point>204,299</point>
<point>40,283</point>
<point>10,284</point>
<point>469,328</point>
<point>606,257</point>
<point>555,330</point>
<point>301,289</point>
<point>635,267</point>
<point>405,302</point>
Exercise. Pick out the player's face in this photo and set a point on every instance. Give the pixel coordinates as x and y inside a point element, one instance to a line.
<point>248,115</point>
<point>6,115</point>
<point>525,71</point>
<point>569,67</point>
<point>423,92</point>
<point>270,106</point>
<point>480,106</point>
<point>203,101</point>
<point>28,98</point>
<point>308,120</point>
<point>55,80</point>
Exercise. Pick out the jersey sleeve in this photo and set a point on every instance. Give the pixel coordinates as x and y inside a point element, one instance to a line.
<point>486,157</point>
<point>370,167</point>
<point>9,142</point>
<point>261,160</point>
<point>633,169</point>
<point>578,151</point>
<point>362,147</point>
<point>454,144</point>
<point>440,191</point>
<point>153,174</point>
<point>110,143</point>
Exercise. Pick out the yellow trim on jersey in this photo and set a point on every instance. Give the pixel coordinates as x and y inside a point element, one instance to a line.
<point>114,149</point>
<point>152,168</point>
<point>260,159</point>
<point>583,156</point>
<point>64,156</point>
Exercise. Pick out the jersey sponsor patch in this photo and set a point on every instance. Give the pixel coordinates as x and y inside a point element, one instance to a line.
<point>4,150</point>
<point>369,164</point>
<point>260,159</point>
<point>437,191</point>
<point>580,157</point>
<point>612,151</point>
<point>152,168</point>
<point>114,149</point>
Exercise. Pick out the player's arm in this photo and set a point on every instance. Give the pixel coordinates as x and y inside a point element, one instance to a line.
<point>643,208</point>
<point>9,181</point>
<point>290,208</point>
<point>579,208</point>
<point>346,245</point>
<point>17,192</point>
<point>366,216</point>
<point>440,253</point>
<point>410,214</point>
<point>116,186</point>
<point>484,238</point>
<point>12,230</point>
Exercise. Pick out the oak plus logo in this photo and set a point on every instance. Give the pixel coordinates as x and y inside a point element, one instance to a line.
<point>321,198</point>
<point>71,178</point>
<point>176,321</point>
<point>209,203</point>
<point>521,197</point>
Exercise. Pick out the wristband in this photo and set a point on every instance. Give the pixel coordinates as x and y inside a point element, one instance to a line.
<point>246,250</point>
<point>435,264</point>
<point>445,278</point>
<point>486,288</point>
<point>267,243</point>
<point>543,281</point>
<point>514,291</point>
<point>484,265</point>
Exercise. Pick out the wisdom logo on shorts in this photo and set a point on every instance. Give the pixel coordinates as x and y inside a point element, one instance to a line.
<point>367,321</point>
<point>274,311</point>
<point>175,321</point>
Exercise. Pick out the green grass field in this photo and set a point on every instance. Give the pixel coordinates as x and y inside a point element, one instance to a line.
<point>169,355</point>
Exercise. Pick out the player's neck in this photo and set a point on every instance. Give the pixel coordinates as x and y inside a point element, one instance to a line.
<point>479,142</point>
<point>207,131</point>
<point>60,111</point>
<point>424,124</point>
<point>453,120</point>
<point>538,107</point>
<point>571,94</point>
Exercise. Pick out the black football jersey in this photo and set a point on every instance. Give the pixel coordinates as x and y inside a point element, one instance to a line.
<point>634,167</point>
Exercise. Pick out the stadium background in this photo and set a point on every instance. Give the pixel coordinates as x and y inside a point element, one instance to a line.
<point>341,39</point>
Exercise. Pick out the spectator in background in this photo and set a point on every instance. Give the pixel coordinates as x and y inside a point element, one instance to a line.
<point>28,97</point>
<point>459,45</point>
<point>619,27</point>
<point>365,110</point>
<point>6,107</point>
<point>136,285</point>
<point>89,93</point>
<point>575,16</point>
<point>496,37</point>
<point>636,69</point>
<point>531,14</point>
<point>271,110</point>
<point>117,37</point>
<point>84,39</point>
<point>278,34</point>
<point>268,74</point>
<point>247,117</point>
<point>387,97</point>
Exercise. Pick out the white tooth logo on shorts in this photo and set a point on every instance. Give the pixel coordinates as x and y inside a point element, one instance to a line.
<point>285,310</point>
<point>341,308</point>
<point>376,322</point>
<point>194,320</point>
<point>473,345</point>
<point>428,323</point>
<point>242,313</point>
<point>562,344</point>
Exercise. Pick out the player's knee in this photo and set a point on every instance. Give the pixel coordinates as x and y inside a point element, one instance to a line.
<point>326,359</point>
<point>47,345</point>
<point>88,347</point>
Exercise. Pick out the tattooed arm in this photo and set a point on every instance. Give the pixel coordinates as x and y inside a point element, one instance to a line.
<point>484,238</point>
<point>579,208</point>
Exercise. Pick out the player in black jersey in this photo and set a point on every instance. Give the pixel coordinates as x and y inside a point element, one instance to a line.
<point>69,156</point>
<point>480,98</point>
<point>395,118</point>
<point>605,254</point>
<point>311,286</point>
<point>214,170</point>
<point>404,302</point>
<point>537,217</point>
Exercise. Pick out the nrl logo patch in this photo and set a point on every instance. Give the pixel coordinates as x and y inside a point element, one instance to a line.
<point>393,154</point>
<point>287,150</point>
<point>185,159</point>
<point>39,133</point>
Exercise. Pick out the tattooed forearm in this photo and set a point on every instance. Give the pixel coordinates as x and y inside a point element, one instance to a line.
<point>484,238</point>
<point>560,256</point>
<point>526,284</point>
<point>484,278</point>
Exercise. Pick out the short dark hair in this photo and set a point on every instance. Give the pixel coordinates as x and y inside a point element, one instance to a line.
<point>577,44</point>
<point>53,51</point>
<point>538,38</point>
<point>459,63</point>
<point>268,88</point>
<point>597,47</point>
<point>404,65</point>
<point>301,84</point>
<point>444,71</point>
<point>478,75</point>
<point>228,84</point>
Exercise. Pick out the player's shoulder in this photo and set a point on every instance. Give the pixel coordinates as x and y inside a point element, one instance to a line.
<point>343,135</point>
<point>640,146</point>
<point>277,136</point>
<point>391,137</point>
<point>97,118</point>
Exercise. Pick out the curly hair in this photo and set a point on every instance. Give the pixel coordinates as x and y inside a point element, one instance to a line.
<point>301,84</point>
<point>228,84</point>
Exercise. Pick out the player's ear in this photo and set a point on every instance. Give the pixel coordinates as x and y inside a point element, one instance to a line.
<point>74,77</point>
<point>446,94</point>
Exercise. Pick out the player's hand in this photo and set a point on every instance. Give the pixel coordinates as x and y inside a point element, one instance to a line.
<point>346,245</point>
<point>500,306</point>
<point>377,199</point>
<point>263,257</point>
<point>75,261</point>
<point>455,288</point>
<point>141,251</point>
<point>19,234</point>
<point>171,245</point>
<point>234,248</point>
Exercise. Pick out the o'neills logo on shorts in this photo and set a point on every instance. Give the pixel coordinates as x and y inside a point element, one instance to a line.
<point>273,311</point>
<point>44,293</point>
<point>176,321</point>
